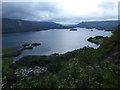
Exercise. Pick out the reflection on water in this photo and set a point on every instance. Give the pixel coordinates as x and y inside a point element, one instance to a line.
<point>53,41</point>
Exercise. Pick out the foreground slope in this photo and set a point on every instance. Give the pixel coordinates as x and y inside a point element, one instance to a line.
<point>83,68</point>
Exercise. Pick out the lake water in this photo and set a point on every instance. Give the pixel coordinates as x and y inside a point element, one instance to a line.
<point>53,40</point>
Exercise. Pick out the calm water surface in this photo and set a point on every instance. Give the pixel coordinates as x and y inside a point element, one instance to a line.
<point>53,41</point>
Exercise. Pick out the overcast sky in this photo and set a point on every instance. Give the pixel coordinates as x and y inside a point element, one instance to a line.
<point>63,11</point>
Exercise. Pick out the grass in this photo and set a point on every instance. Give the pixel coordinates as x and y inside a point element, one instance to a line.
<point>12,54</point>
<point>0,83</point>
<point>97,40</point>
<point>0,73</point>
<point>7,50</point>
<point>16,51</point>
<point>6,62</point>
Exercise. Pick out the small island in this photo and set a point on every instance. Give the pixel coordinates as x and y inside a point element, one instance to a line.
<point>97,39</point>
<point>73,29</point>
<point>16,51</point>
<point>30,45</point>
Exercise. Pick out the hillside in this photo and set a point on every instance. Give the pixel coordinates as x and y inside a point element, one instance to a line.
<point>83,68</point>
<point>14,25</point>
<point>107,25</point>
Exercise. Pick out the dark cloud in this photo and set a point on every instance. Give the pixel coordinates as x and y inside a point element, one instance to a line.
<point>29,10</point>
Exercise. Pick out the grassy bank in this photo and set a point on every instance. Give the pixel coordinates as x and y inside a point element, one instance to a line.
<point>97,39</point>
<point>16,51</point>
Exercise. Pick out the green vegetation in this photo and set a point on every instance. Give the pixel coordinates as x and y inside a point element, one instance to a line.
<point>11,52</point>
<point>83,68</point>
<point>16,51</point>
<point>97,39</point>
<point>6,50</point>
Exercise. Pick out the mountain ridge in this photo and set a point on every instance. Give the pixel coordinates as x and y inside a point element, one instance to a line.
<point>17,25</point>
<point>107,25</point>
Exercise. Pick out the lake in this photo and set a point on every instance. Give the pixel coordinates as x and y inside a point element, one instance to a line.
<point>53,40</point>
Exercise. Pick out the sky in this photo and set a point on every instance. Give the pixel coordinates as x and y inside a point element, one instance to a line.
<point>61,11</point>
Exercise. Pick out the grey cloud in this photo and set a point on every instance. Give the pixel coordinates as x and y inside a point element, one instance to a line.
<point>53,11</point>
<point>109,9</point>
<point>24,10</point>
<point>108,5</point>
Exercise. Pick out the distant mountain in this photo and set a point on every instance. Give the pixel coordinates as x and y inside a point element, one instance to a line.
<point>11,25</point>
<point>49,25</point>
<point>107,25</point>
<point>15,25</point>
